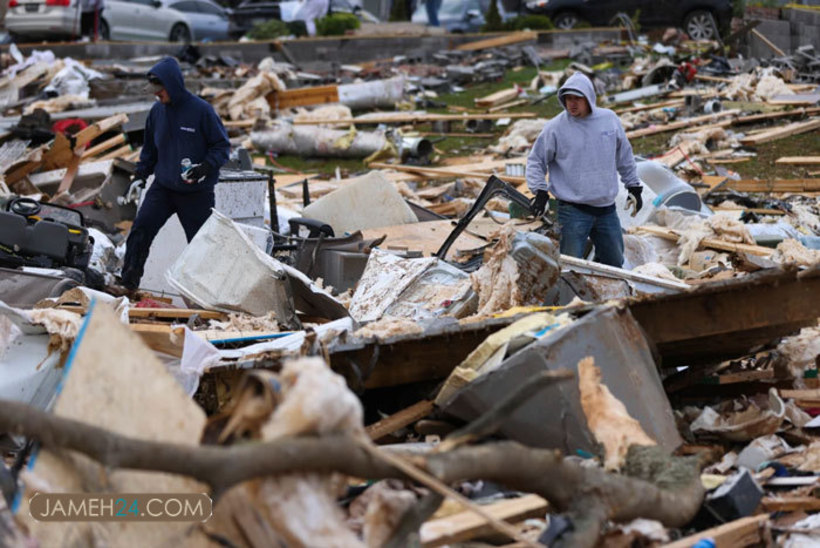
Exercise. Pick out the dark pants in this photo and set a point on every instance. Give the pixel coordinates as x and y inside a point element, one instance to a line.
<point>579,222</point>
<point>192,208</point>
<point>87,23</point>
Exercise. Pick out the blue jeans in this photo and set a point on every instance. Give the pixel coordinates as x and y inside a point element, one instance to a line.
<point>432,7</point>
<point>579,222</point>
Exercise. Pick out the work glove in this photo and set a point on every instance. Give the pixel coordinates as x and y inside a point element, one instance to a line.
<point>634,200</point>
<point>134,189</point>
<point>539,203</point>
<point>197,173</point>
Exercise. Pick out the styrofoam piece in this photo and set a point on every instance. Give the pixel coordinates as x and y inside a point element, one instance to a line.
<point>370,201</point>
<point>221,269</point>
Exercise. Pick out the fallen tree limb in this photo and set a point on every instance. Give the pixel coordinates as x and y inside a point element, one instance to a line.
<point>659,487</point>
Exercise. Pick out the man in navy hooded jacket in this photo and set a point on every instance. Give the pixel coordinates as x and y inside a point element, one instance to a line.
<point>180,126</point>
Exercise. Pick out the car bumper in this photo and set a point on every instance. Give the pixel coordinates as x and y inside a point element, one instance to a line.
<point>62,23</point>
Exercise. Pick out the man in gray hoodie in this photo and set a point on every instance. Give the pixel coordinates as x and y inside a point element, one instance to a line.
<point>584,149</point>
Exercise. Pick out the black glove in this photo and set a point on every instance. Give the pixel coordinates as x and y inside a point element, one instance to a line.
<point>197,173</point>
<point>635,192</point>
<point>139,179</point>
<point>539,203</point>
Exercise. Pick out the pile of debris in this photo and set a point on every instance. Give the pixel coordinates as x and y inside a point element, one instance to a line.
<point>403,355</point>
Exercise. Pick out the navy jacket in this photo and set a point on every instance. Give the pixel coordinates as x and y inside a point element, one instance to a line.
<point>188,127</point>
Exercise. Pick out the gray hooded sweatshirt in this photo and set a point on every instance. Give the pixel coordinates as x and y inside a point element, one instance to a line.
<point>583,155</point>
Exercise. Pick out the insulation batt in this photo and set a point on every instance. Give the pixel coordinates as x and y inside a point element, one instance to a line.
<point>801,351</point>
<point>520,136</point>
<point>505,281</point>
<point>790,251</point>
<point>302,507</point>
<point>607,416</point>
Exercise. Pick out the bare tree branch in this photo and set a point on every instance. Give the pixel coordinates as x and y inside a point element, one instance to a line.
<point>663,488</point>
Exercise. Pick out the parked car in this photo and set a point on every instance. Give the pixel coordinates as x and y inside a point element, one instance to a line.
<point>43,18</point>
<point>250,13</point>
<point>693,16</point>
<point>174,20</point>
<point>459,15</point>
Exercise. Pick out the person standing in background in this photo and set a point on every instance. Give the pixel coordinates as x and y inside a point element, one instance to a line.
<point>309,11</point>
<point>432,7</point>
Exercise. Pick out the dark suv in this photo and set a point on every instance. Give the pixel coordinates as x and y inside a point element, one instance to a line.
<point>693,16</point>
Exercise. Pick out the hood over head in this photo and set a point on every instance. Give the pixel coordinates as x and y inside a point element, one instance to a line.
<point>581,84</point>
<point>169,73</point>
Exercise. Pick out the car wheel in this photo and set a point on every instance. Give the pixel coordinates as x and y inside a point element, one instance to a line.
<point>700,25</point>
<point>180,33</point>
<point>565,20</point>
<point>105,30</point>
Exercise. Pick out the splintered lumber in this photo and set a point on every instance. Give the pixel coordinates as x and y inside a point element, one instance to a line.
<point>65,148</point>
<point>506,40</point>
<point>672,235</point>
<point>798,160</point>
<point>70,174</point>
<point>795,100</point>
<point>768,42</point>
<point>468,525</point>
<point>159,337</point>
<point>801,394</point>
<point>300,97</point>
<point>160,313</point>
<point>411,118</point>
<point>790,504</point>
<point>117,153</point>
<point>399,420</point>
<point>105,145</point>
<point>448,172</point>
<point>497,98</point>
<point>753,118</point>
<point>743,532</point>
<point>672,103</point>
<point>795,128</point>
<point>511,104</point>
<point>652,130</point>
<point>774,185</point>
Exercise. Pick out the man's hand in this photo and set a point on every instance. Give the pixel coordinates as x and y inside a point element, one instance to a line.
<point>539,203</point>
<point>634,199</point>
<point>197,173</point>
<point>132,195</point>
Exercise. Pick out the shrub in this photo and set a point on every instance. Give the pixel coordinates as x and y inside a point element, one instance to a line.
<point>269,30</point>
<point>531,22</point>
<point>337,24</point>
<point>493,18</point>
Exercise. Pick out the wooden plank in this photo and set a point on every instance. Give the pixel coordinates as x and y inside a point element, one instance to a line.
<point>506,40</point>
<point>117,153</point>
<point>790,504</point>
<point>68,178</point>
<point>768,42</point>
<point>411,118</point>
<point>160,313</point>
<point>757,210</point>
<point>794,101</point>
<point>301,97</point>
<point>497,98</point>
<point>158,337</point>
<point>673,103</point>
<point>446,172</point>
<point>468,525</point>
<point>753,118</point>
<point>105,145</point>
<point>801,394</point>
<point>707,78</point>
<point>780,133</point>
<point>697,120</point>
<point>735,534</point>
<point>798,160</point>
<point>743,376</point>
<point>399,420</point>
<point>63,150</point>
<point>774,185</point>
<point>712,243</point>
<point>512,104</point>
